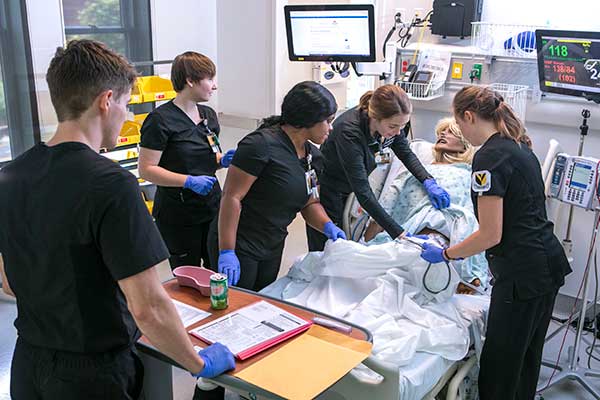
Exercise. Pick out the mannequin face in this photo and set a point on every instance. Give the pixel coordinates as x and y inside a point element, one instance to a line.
<point>448,143</point>
<point>390,127</point>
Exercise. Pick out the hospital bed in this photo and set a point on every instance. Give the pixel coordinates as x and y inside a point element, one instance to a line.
<point>427,376</point>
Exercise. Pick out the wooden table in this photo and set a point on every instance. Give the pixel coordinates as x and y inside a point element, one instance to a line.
<point>158,382</point>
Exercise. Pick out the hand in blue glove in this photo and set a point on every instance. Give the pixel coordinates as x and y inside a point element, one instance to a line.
<point>217,359</point>
<point>226,158</point>
<point>438,196</point>
<point>201,184</point>
<point>229,265</point>
<point>422,237</point>
<point>333,232</point>
<point>432,253</point>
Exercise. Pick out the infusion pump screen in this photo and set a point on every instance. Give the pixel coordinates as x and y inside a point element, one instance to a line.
<point>330,32</point>
<point>571,63</point>
<point>581,176</point>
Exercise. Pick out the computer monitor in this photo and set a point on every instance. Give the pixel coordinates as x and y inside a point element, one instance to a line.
<point>336,32</point>
<point>569,62</point>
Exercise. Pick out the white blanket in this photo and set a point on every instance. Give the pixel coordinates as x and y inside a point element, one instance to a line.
<point>380,287</point>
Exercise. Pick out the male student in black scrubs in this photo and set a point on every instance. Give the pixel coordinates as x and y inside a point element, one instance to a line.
<point>272,179</point>
<point>80,249</point>
<point>525,257</point>
<point>180,152</point>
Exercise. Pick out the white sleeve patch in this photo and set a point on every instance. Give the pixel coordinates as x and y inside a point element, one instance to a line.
<point>481,181</point>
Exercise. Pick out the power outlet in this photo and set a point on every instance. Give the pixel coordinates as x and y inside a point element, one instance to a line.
<point>477,71</point>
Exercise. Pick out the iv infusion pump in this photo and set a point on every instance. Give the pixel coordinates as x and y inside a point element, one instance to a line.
<point>575,181</point>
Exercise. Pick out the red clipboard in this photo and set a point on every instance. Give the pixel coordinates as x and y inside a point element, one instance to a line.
<point>249,352</point>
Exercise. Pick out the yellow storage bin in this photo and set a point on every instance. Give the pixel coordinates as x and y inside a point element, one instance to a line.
<point>155,88</point>
<point>130,134</point>
<point>136,93</point>
<point>139,118</point>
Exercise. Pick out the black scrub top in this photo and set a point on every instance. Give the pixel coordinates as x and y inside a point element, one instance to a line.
<point>349,158</point>
<point>529,260</point>
<point>185,150</point>
<point>73,224</point>
<point>277,195</point>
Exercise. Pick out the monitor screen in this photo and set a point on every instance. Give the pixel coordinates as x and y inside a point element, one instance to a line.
<point>581,176</point>
<point>342,32</point>
<point>569,62</point>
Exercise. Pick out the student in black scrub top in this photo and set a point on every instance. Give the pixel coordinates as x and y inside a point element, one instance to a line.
<point>359,142</point>
<point>526,259</point>
<point>272,179</point>
<point>180,153</point>
<point>79,249</point>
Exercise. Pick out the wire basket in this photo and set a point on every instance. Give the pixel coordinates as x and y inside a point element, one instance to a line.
<point>514,95</point>
<point>504,40</point>
<point>424,91</point>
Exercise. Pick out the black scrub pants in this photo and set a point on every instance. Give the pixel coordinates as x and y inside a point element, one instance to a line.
<point>334,204</point>
<point>512,352</point>
<point>186,243</point>
<point>43,374</point>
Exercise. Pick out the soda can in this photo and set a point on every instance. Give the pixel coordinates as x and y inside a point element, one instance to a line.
<point>218,292</point>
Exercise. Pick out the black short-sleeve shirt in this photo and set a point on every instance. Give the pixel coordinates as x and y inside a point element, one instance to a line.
<point>276,196</point>
<point>185,150</point>
<point>349,158</point>
<point>529,256</point>
<point>73,224</point>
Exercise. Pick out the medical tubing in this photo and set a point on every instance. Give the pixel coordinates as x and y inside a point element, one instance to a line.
<point>360,220</point>
<point>595,331</point>
<point>597,222</point>
<point>445,286</point>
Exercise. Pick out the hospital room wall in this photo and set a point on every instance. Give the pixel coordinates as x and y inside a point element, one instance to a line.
<point>550,119</point>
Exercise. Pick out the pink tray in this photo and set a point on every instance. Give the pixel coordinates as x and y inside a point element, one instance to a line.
<point>194,277</point>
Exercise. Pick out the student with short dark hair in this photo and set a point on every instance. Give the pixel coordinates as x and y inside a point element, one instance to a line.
<point>180,153</point>
<point>272,179</point>
<point>80,250</point>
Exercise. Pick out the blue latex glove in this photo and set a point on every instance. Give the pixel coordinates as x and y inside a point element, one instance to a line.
<point>438,196</point>
<point>432,253</point>
<point>229,265</point>
<point>333,232</point>
<point>226,158</point>
<point>217,359</point>
<point>422,237</point>
<point>201,184</point>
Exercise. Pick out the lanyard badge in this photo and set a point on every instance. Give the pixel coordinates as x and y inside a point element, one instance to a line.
<point>383,156</point>
<point>310,176</point>
<point>213,140</point>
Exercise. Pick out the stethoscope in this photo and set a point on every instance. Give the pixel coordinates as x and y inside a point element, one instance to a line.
<point>448,268</point>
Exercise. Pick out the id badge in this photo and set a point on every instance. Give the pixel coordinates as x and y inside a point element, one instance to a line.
<point>383,157</point>
<point>312,184</point>
<point>213,141</point>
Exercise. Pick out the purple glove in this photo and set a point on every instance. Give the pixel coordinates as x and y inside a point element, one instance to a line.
<point>226,158</point>
<point>432,253</point>
<point>333,232</point>
<point>229,265</point>
<point>438,196</point>
<point>201,184</point>
<point>217,359</point>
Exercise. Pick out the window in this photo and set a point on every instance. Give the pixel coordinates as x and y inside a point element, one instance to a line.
<point>19,127</point>
<point>121,26</point>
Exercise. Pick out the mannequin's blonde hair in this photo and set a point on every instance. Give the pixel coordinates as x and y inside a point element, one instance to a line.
<point>463,157</point>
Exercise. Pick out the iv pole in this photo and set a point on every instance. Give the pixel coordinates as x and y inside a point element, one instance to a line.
<point>572,369</point>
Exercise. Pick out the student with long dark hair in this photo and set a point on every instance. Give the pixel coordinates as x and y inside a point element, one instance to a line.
<point>526,259</point>
<point>270,180</point>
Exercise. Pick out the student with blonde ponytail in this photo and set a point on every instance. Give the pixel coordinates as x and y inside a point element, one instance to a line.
<point>358,143</point>
<point>525,258</point>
